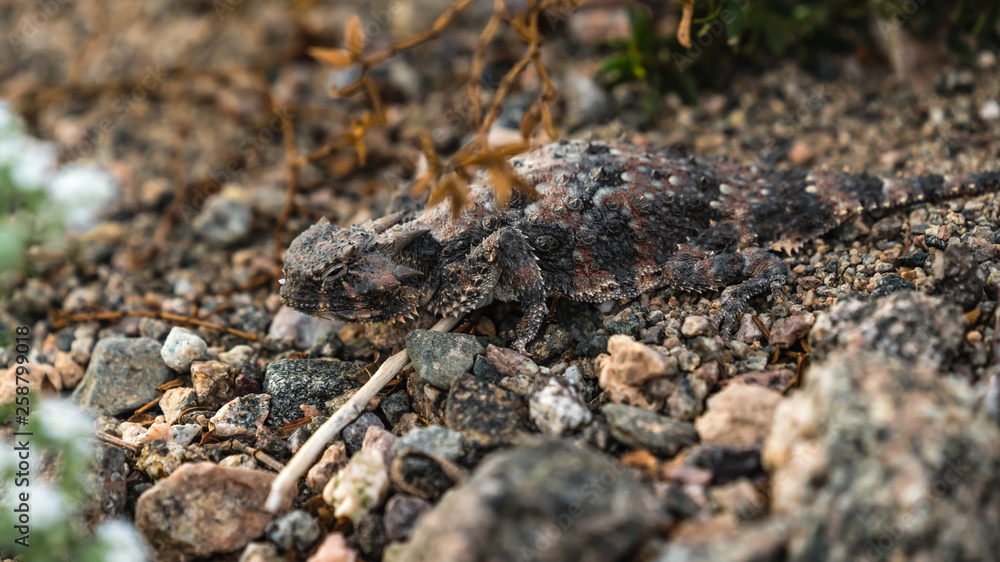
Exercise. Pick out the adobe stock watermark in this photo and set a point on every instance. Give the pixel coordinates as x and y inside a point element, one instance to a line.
<point>29,25</point>
<point>151,80</point>
<point>701,41</point>
<point>251,145</point>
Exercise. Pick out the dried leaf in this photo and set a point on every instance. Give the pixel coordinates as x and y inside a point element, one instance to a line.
<point>684,29</point>
<point>422,182</point>
<point>503,185</point>
<point>529,121</point>
<point>337,58</point>
<point>354,36</point>
<point>550,127</point>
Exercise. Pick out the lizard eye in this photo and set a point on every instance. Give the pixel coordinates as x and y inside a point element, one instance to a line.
<point>335,271</point>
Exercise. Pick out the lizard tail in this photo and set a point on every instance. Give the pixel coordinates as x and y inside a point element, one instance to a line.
<point>860,193</point>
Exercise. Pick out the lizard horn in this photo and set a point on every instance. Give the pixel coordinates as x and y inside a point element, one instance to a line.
<point>388,221</point>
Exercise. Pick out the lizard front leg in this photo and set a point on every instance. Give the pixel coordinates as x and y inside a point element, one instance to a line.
<point>502,266</point>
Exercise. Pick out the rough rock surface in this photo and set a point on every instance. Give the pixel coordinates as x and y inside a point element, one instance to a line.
<point>122,375</point>
<point>203,509</point>
<point>547,501</point>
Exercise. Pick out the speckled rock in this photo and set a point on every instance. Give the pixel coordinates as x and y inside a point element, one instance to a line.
<point>739,415</point>
<point>643,429</point>
<point>957,277</point>
<point>557,406</point>
<point>175,400</point>
<point>203,509</point>
<point>879,458</point>
<point>213,383</point>
<point>910,325</point>
<point>108,490</point>
<point>160,458</point>
<point>295,528</point>
<point>592,344</point>
<point>241,416</point>
<point>293,382</point>
<point>547,501</point>
<point>440,358</point>
<point>122,375</point>
<point>486,415</point>
<point>394,406</point>
<point>183,347</point>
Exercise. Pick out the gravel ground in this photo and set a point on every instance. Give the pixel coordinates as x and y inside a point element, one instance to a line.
<point>855,419</point>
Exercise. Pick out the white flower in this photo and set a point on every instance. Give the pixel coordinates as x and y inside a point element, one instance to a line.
<point>82,191</point>
<point>10,123</point>
<point>48,507</point>
<point>121,542</point>
<point>32,162</point>
<point>64,421</point>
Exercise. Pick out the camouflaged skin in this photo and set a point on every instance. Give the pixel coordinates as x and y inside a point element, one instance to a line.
<point>614,220</point>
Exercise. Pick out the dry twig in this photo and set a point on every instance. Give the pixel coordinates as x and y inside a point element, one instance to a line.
<point>288,478</point>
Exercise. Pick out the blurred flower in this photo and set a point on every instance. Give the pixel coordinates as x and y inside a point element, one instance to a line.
<point>120,542</point>
<point>82,191</point>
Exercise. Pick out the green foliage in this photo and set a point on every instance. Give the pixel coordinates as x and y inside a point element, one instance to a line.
<point>737,33</point>
<point>57,439</point>
<point>24,165</point>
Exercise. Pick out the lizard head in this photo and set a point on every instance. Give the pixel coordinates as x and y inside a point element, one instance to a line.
<point>350,273</point>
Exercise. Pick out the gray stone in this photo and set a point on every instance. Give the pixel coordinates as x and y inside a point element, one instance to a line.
<point>181,348</point>
<point>295,528</point>
<point>439,358</point>
<point>434,440</point>
<point>883,458</point>
<point>293,382</point>
<point>122,375</point>
<point>643,429</point>
<point>354,433</point>
<point>225,220</point>
<point>486,415</point>
<point>394,406</point>
<point>545,501</point>
<point>401,513</point>
<point>241,416</point>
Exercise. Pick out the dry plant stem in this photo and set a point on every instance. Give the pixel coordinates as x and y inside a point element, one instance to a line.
<point>59,320</point>
<point>288,478</point>
<point>112,440</point>
<point>290,188</point>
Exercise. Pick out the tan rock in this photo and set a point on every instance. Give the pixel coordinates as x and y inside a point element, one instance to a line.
<point>203,509</point>
<point>739,415</point>
<point>627,366</point>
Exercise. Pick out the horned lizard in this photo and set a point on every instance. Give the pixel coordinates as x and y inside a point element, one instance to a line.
<point>614,220</point>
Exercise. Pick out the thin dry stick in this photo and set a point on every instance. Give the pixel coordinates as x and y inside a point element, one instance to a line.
<point>288,478</point>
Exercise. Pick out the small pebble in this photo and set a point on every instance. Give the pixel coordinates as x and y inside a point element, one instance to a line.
<point>241,416</point>
<point>183,347</point>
